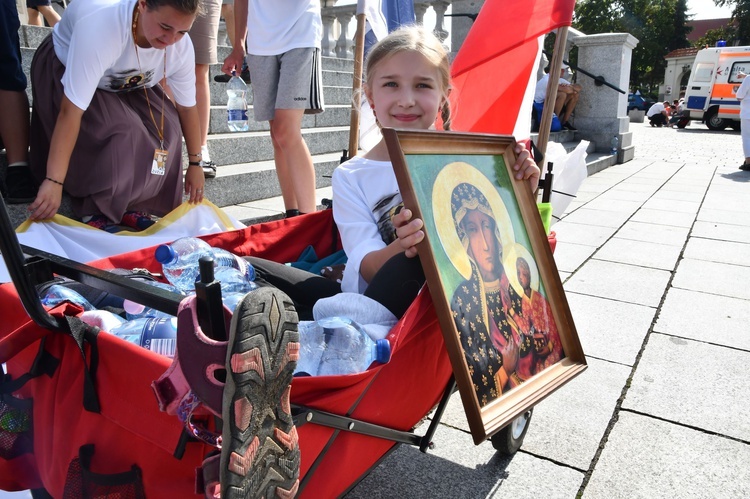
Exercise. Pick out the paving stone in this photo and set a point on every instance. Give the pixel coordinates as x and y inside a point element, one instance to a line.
<point>711,277</point>
<point>705,317</point>
<point>450,471</point>
<point>597,217</point>
<point>636,187</point>
<point>679,196</point>
<point>693,383</point>
<point>627,195</point>
<point>648,458</point>
<point>660,234</point>
<point>609,329</point>
<point>570,256</point>
<point>723,216</point>
<point>718,251</point>
<point>683,188</point>
<point>672,205</point>
<point>590,235</point>
<point>641,253</point>
<point>604,203</point>
<point>662,217</point>
<point>712,230</point>
<point>619,281</point>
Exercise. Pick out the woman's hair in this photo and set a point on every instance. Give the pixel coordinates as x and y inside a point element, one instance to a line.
<point>414,38</point>
<point>184,6</point>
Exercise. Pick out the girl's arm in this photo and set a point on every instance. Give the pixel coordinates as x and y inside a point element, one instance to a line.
<point>64,138</point>
<point>408,232</point>
<point>525,167</point>
<point>194,178</point>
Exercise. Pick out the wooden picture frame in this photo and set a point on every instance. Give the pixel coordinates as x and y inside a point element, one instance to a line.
<point>492,307</point>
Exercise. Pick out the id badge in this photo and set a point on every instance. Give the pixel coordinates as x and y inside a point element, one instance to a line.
<point>159,165</point>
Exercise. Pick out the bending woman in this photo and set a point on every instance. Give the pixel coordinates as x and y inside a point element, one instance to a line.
<point>101,127</point>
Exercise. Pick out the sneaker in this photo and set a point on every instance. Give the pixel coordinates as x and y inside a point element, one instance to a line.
<point>224,78</point>
<point>209,169</point>
<point>102,223</point>
<point>20,185</point>
<point>260,454</point>
<point>137,220</point>
<point>745,167</point>
<point>568,126</point>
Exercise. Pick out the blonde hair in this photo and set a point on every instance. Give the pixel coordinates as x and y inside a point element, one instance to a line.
<point>414,38</point>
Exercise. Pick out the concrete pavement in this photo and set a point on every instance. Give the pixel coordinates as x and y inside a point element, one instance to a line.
<point>654,255</point>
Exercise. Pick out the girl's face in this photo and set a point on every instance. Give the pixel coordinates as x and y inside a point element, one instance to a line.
<point>405,91</point>
<point>163,26</point>
<point>483,245</point>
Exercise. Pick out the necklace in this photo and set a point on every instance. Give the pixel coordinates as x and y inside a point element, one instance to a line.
<point>158,166</point>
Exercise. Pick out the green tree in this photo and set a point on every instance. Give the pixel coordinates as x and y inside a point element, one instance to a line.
<point>681,29</point>
<point>726,33</point>
<point>740,18</point>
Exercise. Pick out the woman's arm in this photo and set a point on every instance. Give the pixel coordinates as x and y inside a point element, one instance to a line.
<point>63,141</point>
<point>194,178</point>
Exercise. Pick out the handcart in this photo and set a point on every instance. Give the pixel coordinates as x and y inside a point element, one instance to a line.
<point>87,422</point>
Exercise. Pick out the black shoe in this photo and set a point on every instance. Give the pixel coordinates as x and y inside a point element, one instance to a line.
<point>209,169</point>
<point>570,127</point>
<point>20,185</point>
<point>224,78</point>
<point>745,167</point>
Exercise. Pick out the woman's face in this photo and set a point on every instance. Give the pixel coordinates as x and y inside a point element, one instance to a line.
<point>484,247</point>
<point>163,26</point>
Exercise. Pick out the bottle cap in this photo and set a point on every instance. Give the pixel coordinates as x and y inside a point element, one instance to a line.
<point>382,351</point>
<point>165,254</point>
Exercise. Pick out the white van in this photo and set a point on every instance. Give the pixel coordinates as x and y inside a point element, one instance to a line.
<point>710,95</point>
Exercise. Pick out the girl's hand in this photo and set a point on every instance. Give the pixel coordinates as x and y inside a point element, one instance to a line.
<point>409,232</point>
<point>47,201</point>
<point>525,167</point>
<point>194,182</point>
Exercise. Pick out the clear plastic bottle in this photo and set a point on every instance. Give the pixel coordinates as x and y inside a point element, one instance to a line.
<point>179,261</point>
<point>231,300</point>
<point>134,310</point>
<point>224,258</point>
<point>233,281</point>
<point>157,335</point>
<point>237,104</point>
<point>344,347</point>
<point>57,293</point>
<point>614,145</point>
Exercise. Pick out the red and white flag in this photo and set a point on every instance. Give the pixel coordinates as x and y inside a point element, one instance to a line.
<point>494,72</point>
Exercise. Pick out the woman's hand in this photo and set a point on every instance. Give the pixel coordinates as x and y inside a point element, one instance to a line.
<point>194,182</point>
<point>409,232</point>
<point>47,201</point>
<point>525,167</point>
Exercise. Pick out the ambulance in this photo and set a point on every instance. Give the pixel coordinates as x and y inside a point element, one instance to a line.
<point>710,94</point>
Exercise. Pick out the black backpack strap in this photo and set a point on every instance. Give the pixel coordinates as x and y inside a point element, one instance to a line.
<point>83,333</point>
<point>44,363</point>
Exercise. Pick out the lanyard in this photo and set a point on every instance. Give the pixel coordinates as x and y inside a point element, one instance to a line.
<point>159,129</point>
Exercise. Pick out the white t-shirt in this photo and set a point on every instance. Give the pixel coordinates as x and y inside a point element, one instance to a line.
<point>742,93</point>
<point>278,26</point>
<point>94,41</point>
<point>655,109</point>
<point>540,91</point>
<point>365,198</point>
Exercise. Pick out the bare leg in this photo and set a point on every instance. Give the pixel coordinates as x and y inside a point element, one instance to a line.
<point>570,105</point>
<point>35,17</point>
<point>50,14</point>
<point>227,12</point>
<point>560,102</point>
<point>203,99</point>
<point>14,125</point>
<point>294,165</point>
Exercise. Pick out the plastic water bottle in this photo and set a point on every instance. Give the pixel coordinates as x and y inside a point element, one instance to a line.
<point>231,300</point>
<point>344,348</point>
<point>179,261</point>
<point>614,145</point>
<point>237,104</point>
<point>157,335</point>
<point>223,258</point>
<point>57,293</point>
<point>135,310</point>
<point>233,281</point>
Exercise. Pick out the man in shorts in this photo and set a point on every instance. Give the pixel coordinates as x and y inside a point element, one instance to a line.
<point>38,8</point>
<point>283,54</point>
<point>19,185</point>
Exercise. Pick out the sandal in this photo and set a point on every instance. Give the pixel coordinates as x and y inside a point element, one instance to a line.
<point>260,449</point>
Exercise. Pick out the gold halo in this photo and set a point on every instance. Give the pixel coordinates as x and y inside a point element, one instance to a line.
<point>449,177</point>
<point>509,262</point>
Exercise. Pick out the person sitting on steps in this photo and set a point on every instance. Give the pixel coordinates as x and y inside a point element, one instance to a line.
<point>566,99</point>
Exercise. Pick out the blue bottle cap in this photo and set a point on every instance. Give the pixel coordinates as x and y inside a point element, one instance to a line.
<point>382,351</point>
<point>165,254</point>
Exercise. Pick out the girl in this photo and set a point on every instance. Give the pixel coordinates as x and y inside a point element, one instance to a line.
<point>101,127</point>
<point>407,84</point>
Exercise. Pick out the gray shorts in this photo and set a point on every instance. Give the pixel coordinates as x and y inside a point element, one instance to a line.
<point>292,80</point>
<point>204,33</point>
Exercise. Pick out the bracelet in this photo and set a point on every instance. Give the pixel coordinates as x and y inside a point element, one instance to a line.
<point>195,155</point>
<point>53,181</point>
<point>194,163</point>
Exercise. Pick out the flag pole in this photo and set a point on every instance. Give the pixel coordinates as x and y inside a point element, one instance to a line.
<point>552,84</point>
<point>359,50</point>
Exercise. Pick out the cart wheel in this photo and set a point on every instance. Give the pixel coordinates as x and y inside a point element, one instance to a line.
<point>508,440</point>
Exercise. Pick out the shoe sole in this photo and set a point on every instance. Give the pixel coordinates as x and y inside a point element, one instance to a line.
<point>260,450</point>
<point>209,174</point>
